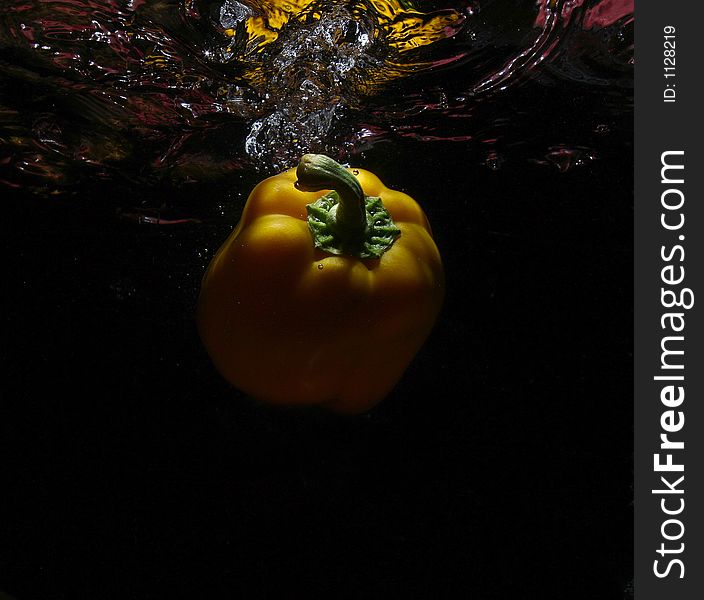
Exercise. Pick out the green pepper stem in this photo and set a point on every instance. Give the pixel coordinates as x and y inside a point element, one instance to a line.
<point>317,172</point>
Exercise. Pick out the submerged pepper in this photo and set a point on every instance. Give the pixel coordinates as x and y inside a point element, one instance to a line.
<point>321,295</point>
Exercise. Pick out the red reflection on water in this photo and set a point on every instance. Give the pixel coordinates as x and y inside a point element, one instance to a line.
<point>603,14</point>
<point>607,13</point>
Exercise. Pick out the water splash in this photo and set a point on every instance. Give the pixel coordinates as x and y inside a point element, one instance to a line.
<point>181,91</point>
<point>310,62</point>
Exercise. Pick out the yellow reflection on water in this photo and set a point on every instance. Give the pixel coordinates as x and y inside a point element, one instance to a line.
<point>401,26</point>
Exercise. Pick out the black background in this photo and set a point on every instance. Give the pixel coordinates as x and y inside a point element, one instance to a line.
<point>500,466</point>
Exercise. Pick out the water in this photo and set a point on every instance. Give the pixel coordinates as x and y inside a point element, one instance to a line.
<point>191,91</point>
<point>131,133</point>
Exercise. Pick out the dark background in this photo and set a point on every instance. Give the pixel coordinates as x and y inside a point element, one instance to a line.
<point>500,466</point>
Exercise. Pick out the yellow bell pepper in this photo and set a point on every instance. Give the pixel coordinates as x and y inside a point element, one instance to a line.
<point>321,298</point>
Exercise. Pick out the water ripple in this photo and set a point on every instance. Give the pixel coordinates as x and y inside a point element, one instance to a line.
<point>192,90</point>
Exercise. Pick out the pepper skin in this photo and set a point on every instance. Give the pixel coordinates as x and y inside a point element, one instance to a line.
<point>292,324</point>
